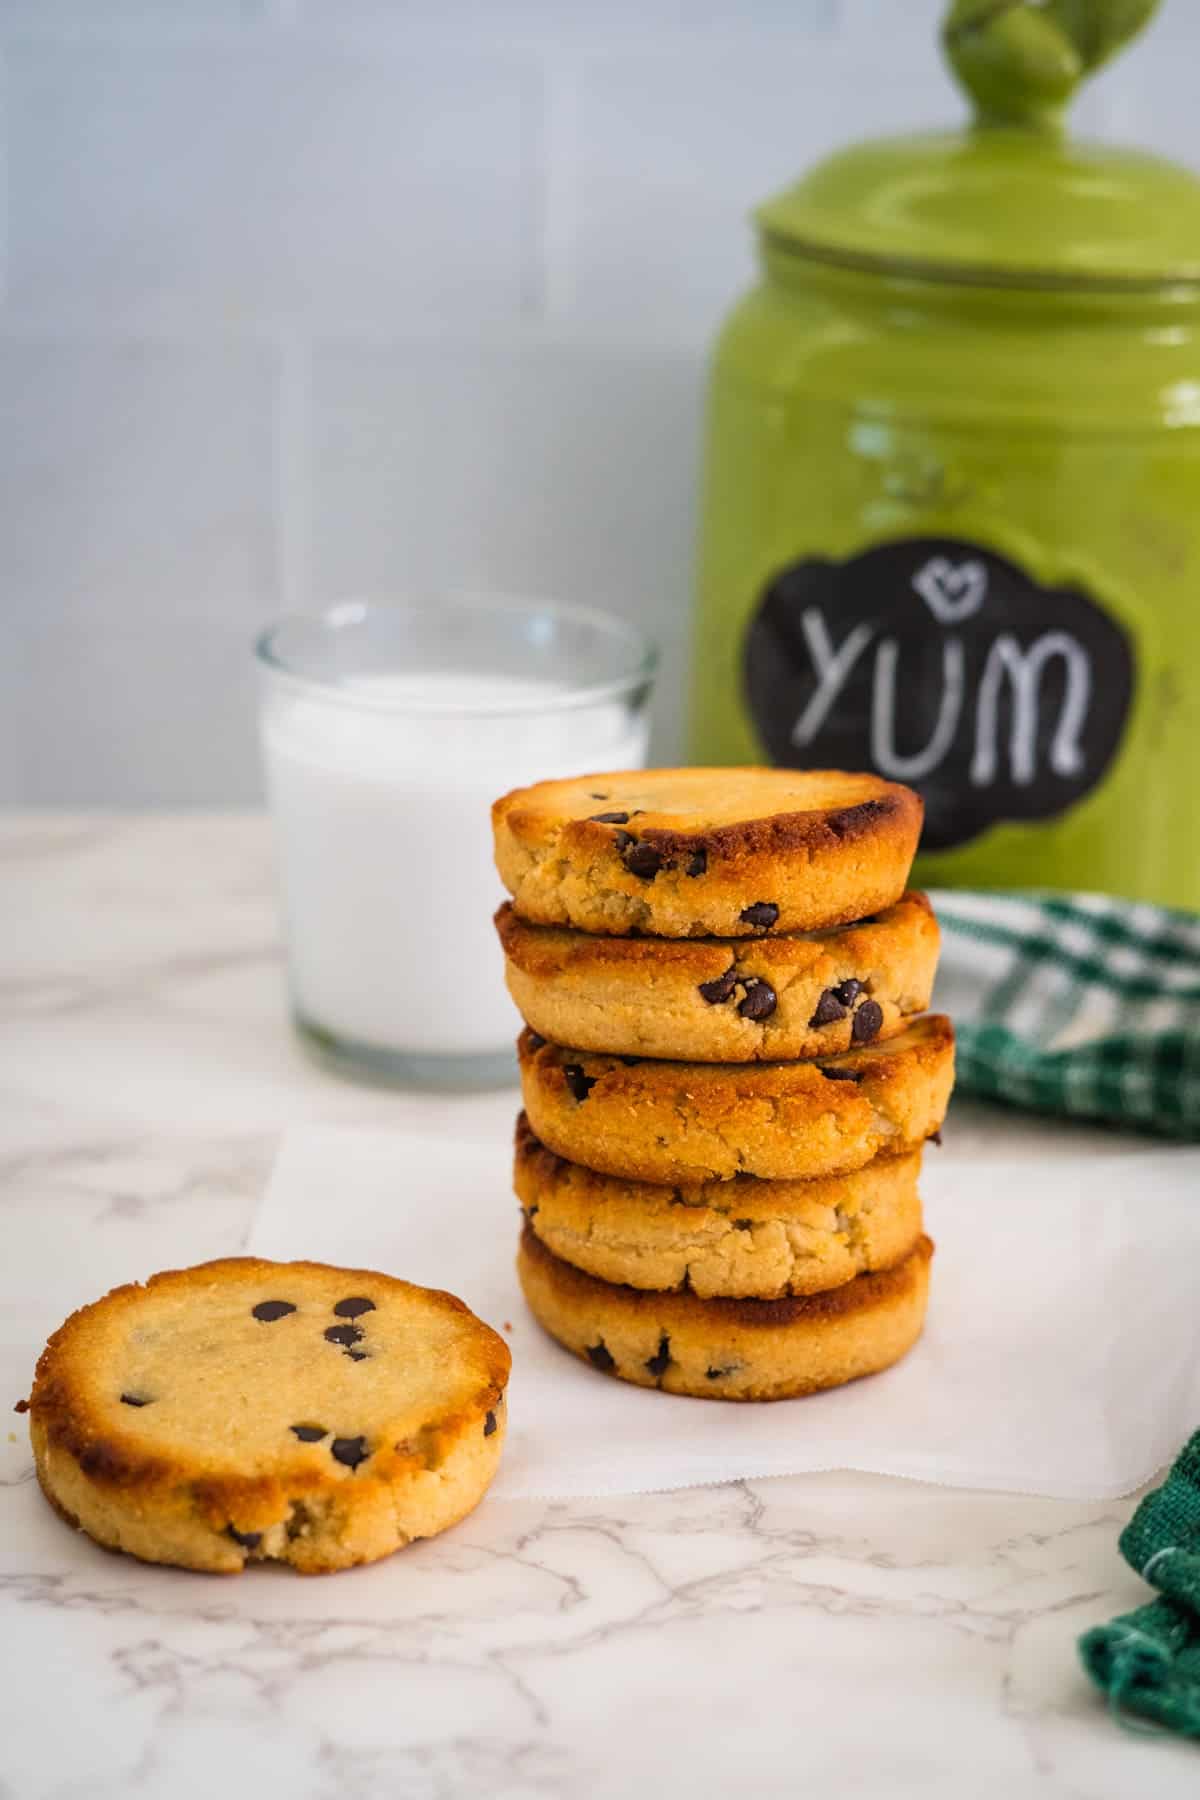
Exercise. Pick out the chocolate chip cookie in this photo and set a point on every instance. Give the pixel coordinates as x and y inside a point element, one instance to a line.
<point>724,999</point>
<point>249,1411</point>
<point>729,1349</point>
<point>727,853</point>
<point>677,1122</point>
<point>745,1239</point>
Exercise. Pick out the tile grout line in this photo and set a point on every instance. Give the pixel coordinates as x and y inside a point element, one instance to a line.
<point>5,176</point>
<point>558,226</point>
<point>293,470</point>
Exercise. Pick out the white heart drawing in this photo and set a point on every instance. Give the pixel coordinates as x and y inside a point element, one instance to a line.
<point>951,591</point>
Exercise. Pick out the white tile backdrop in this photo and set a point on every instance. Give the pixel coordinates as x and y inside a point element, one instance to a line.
<point>313,296</point>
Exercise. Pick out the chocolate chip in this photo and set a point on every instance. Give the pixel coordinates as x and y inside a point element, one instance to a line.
<point>342,1334</point>
<point>310,1434</point>
<point>580,1084</point>
<point>699,863</point>
<point>848,991</point>
<point>249,1540</point>
<point>841,1074</point>
<point>357,1355</point>
<point>601,1357</point>
<point>762,915</point>
<point>531,1212</point>
<point>609,818</point>
<point>935,1137</point>
<point>719,1374</point>
<point>350,1309</point>
<point>597,796</point>
<point>350,1451</point>
<point>718,991</point>
<point>489,1424</point>
<point>267,1310</point>
<point>134,1400</point>
<point>643,860</point>
<point>622,841</point>
<point>536,1040</point>
<point>760,1001</point>
<point>829,1009</point>
<point>868,1022</point>
<point>658,1364</point>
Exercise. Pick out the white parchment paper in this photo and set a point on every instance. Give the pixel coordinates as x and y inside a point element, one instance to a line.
<point>1061,1356</point>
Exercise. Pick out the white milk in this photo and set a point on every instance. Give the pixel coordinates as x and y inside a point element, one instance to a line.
<point>385,849</point>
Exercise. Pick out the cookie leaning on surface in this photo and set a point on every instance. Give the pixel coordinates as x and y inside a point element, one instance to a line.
<point>677,1122</point>
<point>729,1349</point>
<point>706,852</point>
<point>247,1411</point>
<point>743,1239</point>
<point>721,999</point>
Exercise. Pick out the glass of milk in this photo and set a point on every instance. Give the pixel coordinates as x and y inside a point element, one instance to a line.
<point>387,732</point>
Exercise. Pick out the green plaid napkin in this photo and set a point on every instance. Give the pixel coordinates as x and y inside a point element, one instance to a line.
<point>1075,1004</point>
<point>1148,1661</point>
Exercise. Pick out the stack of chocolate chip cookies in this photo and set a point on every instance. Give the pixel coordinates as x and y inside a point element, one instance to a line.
<point>727,1085</point>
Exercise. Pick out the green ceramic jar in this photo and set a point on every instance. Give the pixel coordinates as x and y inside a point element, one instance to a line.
<point>951,519</point>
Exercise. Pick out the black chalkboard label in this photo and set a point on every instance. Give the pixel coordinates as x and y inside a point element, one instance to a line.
<point>940,664</point>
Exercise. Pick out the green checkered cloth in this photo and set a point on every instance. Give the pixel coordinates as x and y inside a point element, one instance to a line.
<point>1075,1004</point>
<point>1148,1661</point>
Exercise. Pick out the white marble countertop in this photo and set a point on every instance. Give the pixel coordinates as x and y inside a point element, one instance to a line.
<point>833,1633</point>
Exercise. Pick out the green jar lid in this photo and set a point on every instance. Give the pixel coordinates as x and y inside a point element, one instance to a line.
<point>1009,198</point>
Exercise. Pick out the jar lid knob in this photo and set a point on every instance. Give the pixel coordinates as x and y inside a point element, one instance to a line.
<point>1021,60</point>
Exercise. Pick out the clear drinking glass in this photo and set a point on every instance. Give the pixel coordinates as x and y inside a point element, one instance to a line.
<point>387,731</point>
